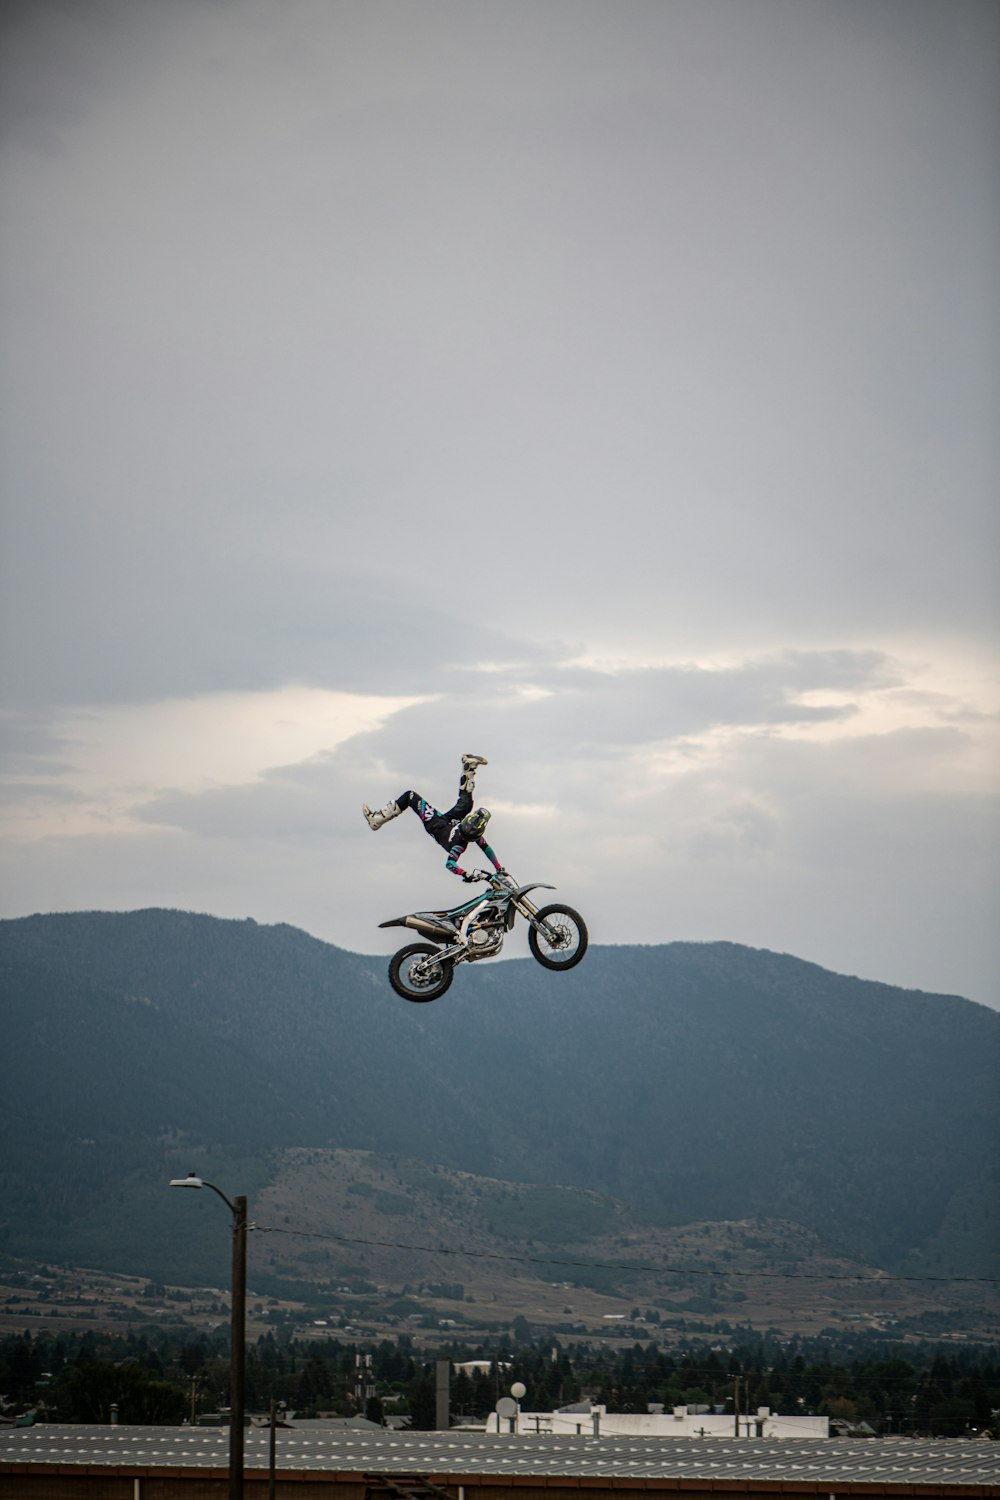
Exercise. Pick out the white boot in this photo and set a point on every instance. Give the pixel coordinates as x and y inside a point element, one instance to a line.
<point>381,814</point>
<point>470,763</point>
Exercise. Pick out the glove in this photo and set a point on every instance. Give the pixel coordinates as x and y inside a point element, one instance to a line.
<point>470,876</point>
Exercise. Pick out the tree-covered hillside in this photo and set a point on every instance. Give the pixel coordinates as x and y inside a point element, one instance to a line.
<point>697,1081</point>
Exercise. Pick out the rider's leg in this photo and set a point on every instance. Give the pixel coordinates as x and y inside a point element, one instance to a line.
<point>466,786</point>
<point>381,814</point>
<point>425,811</point>
<point>462,805</point>
<point>435,823</point>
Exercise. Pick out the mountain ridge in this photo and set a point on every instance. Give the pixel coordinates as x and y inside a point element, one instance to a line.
<point>698,1081</point>
<point>695,944</point>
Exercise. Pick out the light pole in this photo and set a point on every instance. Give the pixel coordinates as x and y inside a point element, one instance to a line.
<point>237,1342</point>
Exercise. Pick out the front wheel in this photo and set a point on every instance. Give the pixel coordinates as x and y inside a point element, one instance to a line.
<point>557,937</point>
<point>418,974</point>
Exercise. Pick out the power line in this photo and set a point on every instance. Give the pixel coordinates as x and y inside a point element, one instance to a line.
<point>880,1279</point>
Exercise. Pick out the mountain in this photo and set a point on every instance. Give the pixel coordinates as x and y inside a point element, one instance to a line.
<point>692,1081</point>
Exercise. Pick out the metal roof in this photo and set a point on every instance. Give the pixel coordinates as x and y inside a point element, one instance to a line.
<point>832,1463</point>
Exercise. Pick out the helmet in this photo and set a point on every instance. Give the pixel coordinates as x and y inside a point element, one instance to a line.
<point>473,825</point>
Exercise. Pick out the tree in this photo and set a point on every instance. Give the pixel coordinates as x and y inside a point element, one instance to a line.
<point>92,1389</point>
<point>422,1395</point>
<point>24,1371</point>
<point>313,1384</point>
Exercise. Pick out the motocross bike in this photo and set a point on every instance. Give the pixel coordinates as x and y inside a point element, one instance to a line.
<point>557,936</point>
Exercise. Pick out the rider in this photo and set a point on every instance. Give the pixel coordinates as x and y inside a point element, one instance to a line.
<point>455,829</point>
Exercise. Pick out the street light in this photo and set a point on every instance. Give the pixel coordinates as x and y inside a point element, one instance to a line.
<point>237,1342</point>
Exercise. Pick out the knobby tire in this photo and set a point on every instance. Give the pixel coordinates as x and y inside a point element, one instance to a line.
<point>419,993</point>
<point>571,924</point>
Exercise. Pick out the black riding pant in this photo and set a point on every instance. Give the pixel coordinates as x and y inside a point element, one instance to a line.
<point>440,825</point>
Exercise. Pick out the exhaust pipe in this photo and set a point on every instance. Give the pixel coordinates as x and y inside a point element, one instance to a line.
<point>430,929</point>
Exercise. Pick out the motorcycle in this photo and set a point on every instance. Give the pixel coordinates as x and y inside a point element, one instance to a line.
<point>557,936</point>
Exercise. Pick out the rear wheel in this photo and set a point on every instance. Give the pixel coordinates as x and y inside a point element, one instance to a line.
<point>557,937</point>
<point>418,974</point>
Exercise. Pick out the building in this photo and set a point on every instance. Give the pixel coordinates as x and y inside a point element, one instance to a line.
<point>586,1419</point>
<point>53,1462</point>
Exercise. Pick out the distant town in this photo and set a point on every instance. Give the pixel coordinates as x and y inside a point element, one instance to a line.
<point>89,1346</point>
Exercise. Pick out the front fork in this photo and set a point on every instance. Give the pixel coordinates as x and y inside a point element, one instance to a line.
<point>529,911</point>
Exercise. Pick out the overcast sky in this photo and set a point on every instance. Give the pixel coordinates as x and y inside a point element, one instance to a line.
<point>609,387</point>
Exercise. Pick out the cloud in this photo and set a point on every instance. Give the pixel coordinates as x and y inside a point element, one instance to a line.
<point>823,848</point>
<point>112,760</point>
<point>687,801</point>
<point>601,715</point>
<point>257,624</point>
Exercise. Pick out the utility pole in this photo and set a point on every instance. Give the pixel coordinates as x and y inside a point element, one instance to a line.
<point>238,1349</point>
<point>272,1451</point>
<point>736,1407</point>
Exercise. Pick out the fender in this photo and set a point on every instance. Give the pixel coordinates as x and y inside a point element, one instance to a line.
<point>522,890</point>
<point>515,897</point>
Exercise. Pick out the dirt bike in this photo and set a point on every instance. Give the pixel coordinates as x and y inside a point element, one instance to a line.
<point>557,936</point>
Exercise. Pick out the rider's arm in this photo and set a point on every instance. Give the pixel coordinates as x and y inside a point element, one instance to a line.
<point>451,863</point>
<point>489,854</point>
